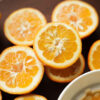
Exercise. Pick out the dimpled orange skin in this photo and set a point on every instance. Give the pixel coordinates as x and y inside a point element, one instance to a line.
<point>87,35</point>
<point>36,85</point>
<point>93,45</point>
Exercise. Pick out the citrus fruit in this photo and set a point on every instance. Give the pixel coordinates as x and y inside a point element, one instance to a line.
<point>0,96</point>
<point>94,56</point>
<point>31,97</point>
<point>57,45</point>
<point>91,95</point>
<point>20,70</point>
<point>22,25</point>
<point>67,74</point>
<point>80,15</point>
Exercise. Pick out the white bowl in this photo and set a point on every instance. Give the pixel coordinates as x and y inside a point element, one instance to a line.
<point>77,87</point>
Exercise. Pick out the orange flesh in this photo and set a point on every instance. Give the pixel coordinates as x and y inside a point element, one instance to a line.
<point>29,98</point>
<point>96,58</point>
<point>58,43</point>
<point>18,69</point>
<point>71,71</point>
<point>24,26</point>
<point>92,96</point>
<point>77,16</point>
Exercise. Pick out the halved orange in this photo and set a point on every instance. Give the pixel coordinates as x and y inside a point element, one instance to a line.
<point>20,70</point>
<point>57,45</point>
<point>80,15</point>
<point>22,25</point>
<point>68,74</point>
<point>31,97</point>
<point>94,56</point>
<point>0,96</point>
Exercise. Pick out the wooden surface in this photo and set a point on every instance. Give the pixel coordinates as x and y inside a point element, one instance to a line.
<point>49,89</point>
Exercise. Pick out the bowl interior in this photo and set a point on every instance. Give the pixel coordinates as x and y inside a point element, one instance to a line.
<point>77,87</point>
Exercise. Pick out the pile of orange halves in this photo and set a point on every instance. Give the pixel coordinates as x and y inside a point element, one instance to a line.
<point>56,45</point>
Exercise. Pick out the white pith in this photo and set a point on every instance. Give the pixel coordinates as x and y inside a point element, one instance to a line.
<point>36,79</point>
<point>24,27</point>
<point>94,16</point>
<point>59,47</point>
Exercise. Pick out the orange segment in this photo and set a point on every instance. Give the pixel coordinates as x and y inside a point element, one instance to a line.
<point>22,25</point>
<point>10,57</point>
<point>23,79</point>
<point>94,56</point>
<point>31,97</point>
<point>29,61</point>
<point>57,45</point>
<point>84,12</point>
<point>20,70</point>
<point>68,74</point>
<point>0,96</point>
<point>87,21</point>
<point>80,15</point>
<point>4,64</point>
<point>4,74</point>
<point>11,82</point>
<point>31,70</point>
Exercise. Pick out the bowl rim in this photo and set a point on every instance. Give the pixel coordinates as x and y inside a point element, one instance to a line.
<point>70,84</point>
